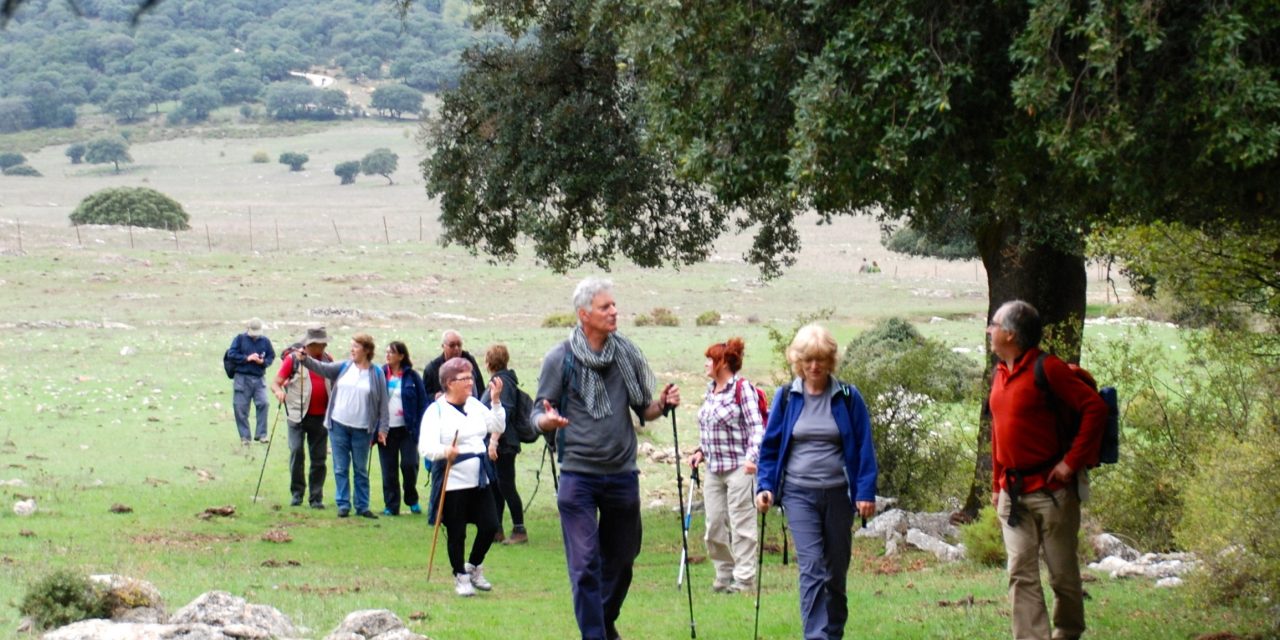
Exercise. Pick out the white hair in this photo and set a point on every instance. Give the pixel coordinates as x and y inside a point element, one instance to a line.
<point>588,289</point>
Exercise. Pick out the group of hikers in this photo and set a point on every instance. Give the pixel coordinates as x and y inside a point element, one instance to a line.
<point>808,451</point>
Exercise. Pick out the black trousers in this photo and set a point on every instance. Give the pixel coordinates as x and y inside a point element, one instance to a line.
<point>311,433</point>
<point>399,458</point>
<point>463,507</point>
<point>506,493</point>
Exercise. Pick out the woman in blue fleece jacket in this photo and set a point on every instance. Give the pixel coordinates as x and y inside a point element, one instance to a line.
<point>818,446</point>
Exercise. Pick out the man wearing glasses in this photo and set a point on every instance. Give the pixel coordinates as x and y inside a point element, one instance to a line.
<point>450,347</point>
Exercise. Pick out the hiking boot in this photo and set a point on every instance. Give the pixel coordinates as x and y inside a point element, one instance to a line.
<point>477,577</point>
<point>263,440</point>
<point>720,586</point>
<point>739,587</point>
<point>415,509</point>
<point>317,505</point>
<point>499,537</point>
<point>245,442</point>
<point>388,512</point>
<point>367,514</point>
<point>517,537</point>
<point>342,513</point>
<point>462,585</point>
<point>296,501</point>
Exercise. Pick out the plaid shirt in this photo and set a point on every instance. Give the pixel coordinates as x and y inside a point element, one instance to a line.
<point>730,430</point>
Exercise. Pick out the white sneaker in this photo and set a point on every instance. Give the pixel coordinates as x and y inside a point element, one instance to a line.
<point>477,577</point>
<point>462,585</point>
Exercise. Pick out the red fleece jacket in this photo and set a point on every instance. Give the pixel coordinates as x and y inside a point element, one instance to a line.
<point>1024,432</point>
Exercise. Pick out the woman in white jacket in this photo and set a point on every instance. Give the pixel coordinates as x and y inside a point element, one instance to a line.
<point>458,427</point>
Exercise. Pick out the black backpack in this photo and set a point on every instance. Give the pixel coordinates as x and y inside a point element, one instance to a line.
<point>1069,421</point>
<point>229,360</point>
<point>525,429</point>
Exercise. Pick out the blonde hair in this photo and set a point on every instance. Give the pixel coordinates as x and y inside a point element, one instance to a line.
<point>812,342</point>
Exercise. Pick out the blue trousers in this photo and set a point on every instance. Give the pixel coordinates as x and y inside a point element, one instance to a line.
<point>350,450</point>
<point>821,523</point>
<point>243,389</point>
<point>600,522</point>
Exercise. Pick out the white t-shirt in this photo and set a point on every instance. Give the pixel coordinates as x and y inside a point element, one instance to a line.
<point>351,398</point>
<point>394,401</point>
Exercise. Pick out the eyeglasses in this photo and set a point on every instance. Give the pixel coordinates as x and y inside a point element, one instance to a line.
<point>453,345</point>
<point>462,379</point>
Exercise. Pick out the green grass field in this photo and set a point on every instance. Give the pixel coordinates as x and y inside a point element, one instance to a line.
<point>113,393</point>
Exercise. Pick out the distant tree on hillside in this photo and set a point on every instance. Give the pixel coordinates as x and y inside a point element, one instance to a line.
<point>175,79</point>
<point>11,159</point>
<point>128,103</point>
<point>294,160</point>
<point>113,149</point>
<point>381,162</point>
<point>137,206</point>
<point>395,99</point>
<point>240,89</point>
<point>347,171</point>
<point>76,152</point>
<point>15,115</point>
<point>197,103</point>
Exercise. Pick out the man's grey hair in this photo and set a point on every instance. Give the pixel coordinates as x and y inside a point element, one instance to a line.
<point>444,335</point>
<point>588,289</point>
<point>1023,321</point>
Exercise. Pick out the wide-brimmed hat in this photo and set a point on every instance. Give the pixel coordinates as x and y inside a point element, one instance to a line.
<point>254,328</point>
<point>315,335</point>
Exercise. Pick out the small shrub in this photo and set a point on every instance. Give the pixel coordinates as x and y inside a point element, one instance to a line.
<point>76,152</point>
<point>560,321</point>
<point>10,159</point>
<point>644,320</point>
<point>347,171</point>
<point>707,319</point>
<point>61,598</point>
<point>294,160</point>
<point>22,170</point>
<point>983,540</point>
<point>261,157</point>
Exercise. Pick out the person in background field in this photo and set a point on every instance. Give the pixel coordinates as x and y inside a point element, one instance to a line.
<point>253,353</point>
<point>358,412</point>
<point>496,359</point>
<point>587,386</point>
<point>817,458</point>
<point>305,398</point>
<point>407,400</point>
<point>450,347</point>
<point>1034,484</point>
<point>729,430</point>
<point>455,428</point>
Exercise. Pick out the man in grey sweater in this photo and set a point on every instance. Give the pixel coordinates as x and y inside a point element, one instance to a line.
<point>587,384</point>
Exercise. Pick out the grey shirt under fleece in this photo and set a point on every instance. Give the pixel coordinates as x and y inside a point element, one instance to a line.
<point>817,458</point>
<point>588,445</point>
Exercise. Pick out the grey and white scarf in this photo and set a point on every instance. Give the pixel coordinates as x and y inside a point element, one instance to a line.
<point>631,363</point>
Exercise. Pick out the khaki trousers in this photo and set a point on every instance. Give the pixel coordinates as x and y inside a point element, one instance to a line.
<point>731,525</point>
<point>1050,530</point>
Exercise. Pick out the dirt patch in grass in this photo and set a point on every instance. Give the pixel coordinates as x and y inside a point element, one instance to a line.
<point>184,540</point>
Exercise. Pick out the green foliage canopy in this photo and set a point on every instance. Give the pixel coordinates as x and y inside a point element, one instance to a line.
<point>294,159</point>
<point>347,171</point>
<point>396,99</point>
<point>380,162</point>
<point>113,149</point>
<point>136,206</point>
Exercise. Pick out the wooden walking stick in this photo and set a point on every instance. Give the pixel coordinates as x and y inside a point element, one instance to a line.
<point>444,489</point>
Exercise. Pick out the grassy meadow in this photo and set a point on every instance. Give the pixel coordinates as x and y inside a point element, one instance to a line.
<point>113,394</point>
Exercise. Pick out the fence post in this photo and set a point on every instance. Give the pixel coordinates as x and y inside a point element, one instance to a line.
<point>335,230</point>
<point>385,233</point>
<point>208,242</point>
<point>78,240</point>
<point>250,229</point>
<point>19,235</point>
<point>277,234</point>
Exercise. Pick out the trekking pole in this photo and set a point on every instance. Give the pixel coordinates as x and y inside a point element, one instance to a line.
<point>688,521</point>
<point>684,532</point>
<point>280,407</point>
<point>444,489</point>
<point>755,634</point>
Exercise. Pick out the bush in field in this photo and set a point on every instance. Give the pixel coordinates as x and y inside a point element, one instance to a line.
<point>108,149</point>
<point>708,319</point>
<point>983,540</point>
<point>22,170</point>
<point>918,393</point>
<point>560,321</point>
<point>660,317</point>
<point>380,162</point>
<point>61,598</point>
<point>1232,508</point>
<point>261,157</point>
<point>76,152</point>
<point>137,206</point>
<point>294,160</point>
<point>347,171</point>
<point>11,160</point>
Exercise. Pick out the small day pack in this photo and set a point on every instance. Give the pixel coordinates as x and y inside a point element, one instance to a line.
<point>525,429</point>
<point>1069,420</point>
<point>761,400</point>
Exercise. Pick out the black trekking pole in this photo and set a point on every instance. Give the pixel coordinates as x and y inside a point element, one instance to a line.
<point>555,475</point>
<point>684,533</point>
<point>694,484</point>
<point>270,438</point>
<point>784,534</point>
<point>755,634</point>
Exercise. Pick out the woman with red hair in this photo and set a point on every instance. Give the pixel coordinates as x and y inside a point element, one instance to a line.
<point>729,430</point>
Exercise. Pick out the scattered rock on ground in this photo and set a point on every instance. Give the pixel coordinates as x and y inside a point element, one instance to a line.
<point>1105,545</point>
<point>372,624</point>
<point>25,508</point>
<point>120,508</point>
<point>224,512</point>
<point>220,609</point>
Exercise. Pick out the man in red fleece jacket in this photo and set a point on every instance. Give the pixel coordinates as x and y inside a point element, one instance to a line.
<point>1035,486</point>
